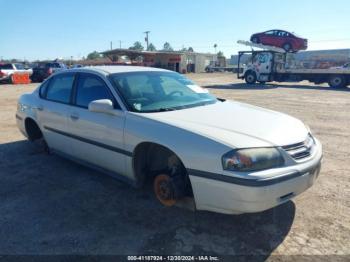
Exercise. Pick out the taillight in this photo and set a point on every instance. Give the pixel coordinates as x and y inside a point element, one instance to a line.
<point>49,71</point>
<point>2,74</point>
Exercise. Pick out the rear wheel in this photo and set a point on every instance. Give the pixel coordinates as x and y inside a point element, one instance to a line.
<point>287,47</point>
<point>250,77</point>
<point>337,81</point>
<point>255,40</point>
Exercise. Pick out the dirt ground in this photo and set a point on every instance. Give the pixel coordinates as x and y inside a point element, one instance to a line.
<point>49,205</point>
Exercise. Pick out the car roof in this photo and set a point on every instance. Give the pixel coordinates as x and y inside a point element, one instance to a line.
<point>277,30</point>
<point>119,69</point>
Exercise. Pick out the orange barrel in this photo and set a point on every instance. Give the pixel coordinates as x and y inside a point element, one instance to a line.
<point>20,78</point>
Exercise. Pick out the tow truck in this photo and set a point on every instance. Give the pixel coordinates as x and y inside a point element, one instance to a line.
<point>271,64</point>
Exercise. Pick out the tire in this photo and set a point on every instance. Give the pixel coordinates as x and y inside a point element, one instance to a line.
<point>10,80</point>
<point>250,77</point>
<point>337,81</point>
<point>255,40</point>
<point>287,47</point>
<point>42,146</point>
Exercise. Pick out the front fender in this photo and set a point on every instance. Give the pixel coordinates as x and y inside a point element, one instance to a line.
<point>194,150</point>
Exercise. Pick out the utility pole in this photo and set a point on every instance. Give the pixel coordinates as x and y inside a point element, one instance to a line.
<point>111,45</point>
<point>146,38</point>
<point>120,44</point>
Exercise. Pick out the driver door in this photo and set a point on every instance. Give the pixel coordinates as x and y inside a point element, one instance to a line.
<point>97,138</point>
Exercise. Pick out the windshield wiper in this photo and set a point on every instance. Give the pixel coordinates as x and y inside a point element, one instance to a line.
<point>164,109</point>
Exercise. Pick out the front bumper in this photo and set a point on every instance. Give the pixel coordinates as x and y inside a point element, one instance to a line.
<point>230,195</point>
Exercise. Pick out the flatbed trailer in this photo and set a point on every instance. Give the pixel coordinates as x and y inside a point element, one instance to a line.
<point>272,65</point>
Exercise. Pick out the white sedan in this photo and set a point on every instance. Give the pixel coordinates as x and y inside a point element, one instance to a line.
<point>139,124</point>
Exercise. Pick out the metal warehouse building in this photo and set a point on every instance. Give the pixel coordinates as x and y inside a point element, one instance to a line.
<point>183,62</point>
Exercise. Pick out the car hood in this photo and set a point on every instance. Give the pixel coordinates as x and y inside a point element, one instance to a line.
<point>236,124</point>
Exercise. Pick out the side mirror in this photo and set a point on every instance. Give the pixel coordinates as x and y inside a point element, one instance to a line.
<point>101,106</point>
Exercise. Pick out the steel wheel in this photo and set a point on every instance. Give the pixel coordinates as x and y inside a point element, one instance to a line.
<point>164,190</point>
<point>287,47</point>
<point>337,81</point>
<point>250,78</point>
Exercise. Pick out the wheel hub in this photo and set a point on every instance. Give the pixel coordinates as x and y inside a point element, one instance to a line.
<point>250,78</point>
<point>336,81</point>
<point>164,190</point>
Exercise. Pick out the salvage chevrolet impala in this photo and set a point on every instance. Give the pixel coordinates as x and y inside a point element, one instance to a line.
<point>144,124</point>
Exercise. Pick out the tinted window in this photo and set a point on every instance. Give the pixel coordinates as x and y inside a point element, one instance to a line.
<point>91,88</point>
<point>60,88</point>
<point>19,66</point>
<point>6,66</point>
<point>283,34</point>
<point>43,88</point>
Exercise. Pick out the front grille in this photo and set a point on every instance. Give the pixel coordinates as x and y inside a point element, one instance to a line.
<point>301,150</point>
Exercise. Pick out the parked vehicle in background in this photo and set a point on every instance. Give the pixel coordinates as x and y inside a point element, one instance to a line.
<point>267,66</point>
<point>7,70</point>
<point>44,70</point>
<point>144,124</point>
<point>279,38</point>
<point>345,66</point>
<point>77,66</point>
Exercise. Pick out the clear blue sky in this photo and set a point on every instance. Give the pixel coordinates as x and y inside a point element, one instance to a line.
<point>43,29</point>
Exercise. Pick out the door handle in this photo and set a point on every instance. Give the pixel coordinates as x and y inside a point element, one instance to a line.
<point>40,108</point>
<point>74,117</point>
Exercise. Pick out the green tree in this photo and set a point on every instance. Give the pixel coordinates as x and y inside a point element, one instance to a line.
<point>137,46</point>
<point>190,49</point>
<point>94,55</point>
<point>151,47</point>
<point>220,54</point>
<point>167,47</point>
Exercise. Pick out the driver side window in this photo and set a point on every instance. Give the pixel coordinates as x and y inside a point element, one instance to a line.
<point>270,33</point>
<point>90,88</point>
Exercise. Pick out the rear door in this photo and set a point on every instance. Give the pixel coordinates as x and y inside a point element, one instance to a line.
<point>52,111</point>
<point>97,138</point>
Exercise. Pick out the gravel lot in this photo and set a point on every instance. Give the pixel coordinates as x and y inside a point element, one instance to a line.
<point>50,205</point>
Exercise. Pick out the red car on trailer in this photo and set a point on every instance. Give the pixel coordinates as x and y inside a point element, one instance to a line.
<point>279,38</point>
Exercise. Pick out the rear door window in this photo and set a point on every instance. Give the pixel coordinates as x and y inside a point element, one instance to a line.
<point>60,87</point>
<point>6,67</point>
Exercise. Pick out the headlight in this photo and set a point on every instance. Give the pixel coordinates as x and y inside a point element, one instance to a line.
<point>252,159</point>
<point>308,128</point>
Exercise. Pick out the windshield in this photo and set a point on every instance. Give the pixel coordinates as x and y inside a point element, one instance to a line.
<point>159,91</point>
<point>19,67</point>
